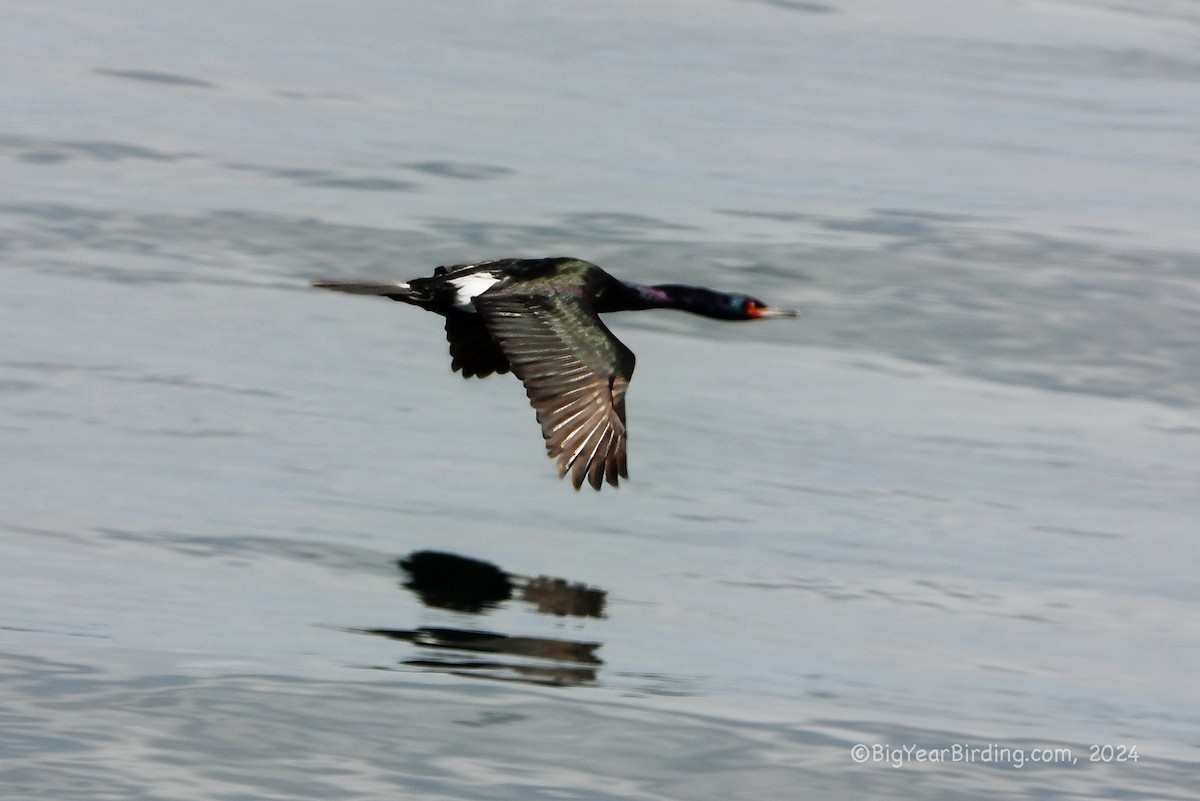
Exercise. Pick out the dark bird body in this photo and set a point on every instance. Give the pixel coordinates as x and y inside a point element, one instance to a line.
<point>539,319</point>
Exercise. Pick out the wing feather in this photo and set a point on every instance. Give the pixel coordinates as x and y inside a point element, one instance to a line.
<point>472,349</point>
<point>575,373</point>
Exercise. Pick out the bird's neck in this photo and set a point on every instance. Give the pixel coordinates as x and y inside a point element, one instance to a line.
<point>697,300</point>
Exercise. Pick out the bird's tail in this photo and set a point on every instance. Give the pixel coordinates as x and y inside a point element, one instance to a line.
<point>397,290</point>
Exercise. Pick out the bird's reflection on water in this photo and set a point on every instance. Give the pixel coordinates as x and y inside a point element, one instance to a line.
<point>470,586</point>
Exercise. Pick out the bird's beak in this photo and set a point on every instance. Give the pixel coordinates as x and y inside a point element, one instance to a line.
<point>763,312</point>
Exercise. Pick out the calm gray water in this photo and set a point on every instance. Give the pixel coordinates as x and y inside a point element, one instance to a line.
<point>953,507</point>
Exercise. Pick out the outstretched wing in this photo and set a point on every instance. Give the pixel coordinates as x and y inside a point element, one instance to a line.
<point>575,373</point>
<point>472,349</point>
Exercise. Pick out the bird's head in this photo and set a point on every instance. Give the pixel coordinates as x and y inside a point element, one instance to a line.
<point>745,307</point>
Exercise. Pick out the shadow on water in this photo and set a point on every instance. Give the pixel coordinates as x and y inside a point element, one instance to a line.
<point>155,76</point>
<point>471,586</point>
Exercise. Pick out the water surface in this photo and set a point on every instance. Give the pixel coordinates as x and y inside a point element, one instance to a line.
<point>952,506</point>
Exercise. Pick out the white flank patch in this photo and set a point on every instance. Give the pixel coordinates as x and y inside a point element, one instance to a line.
<point>471,286</point>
